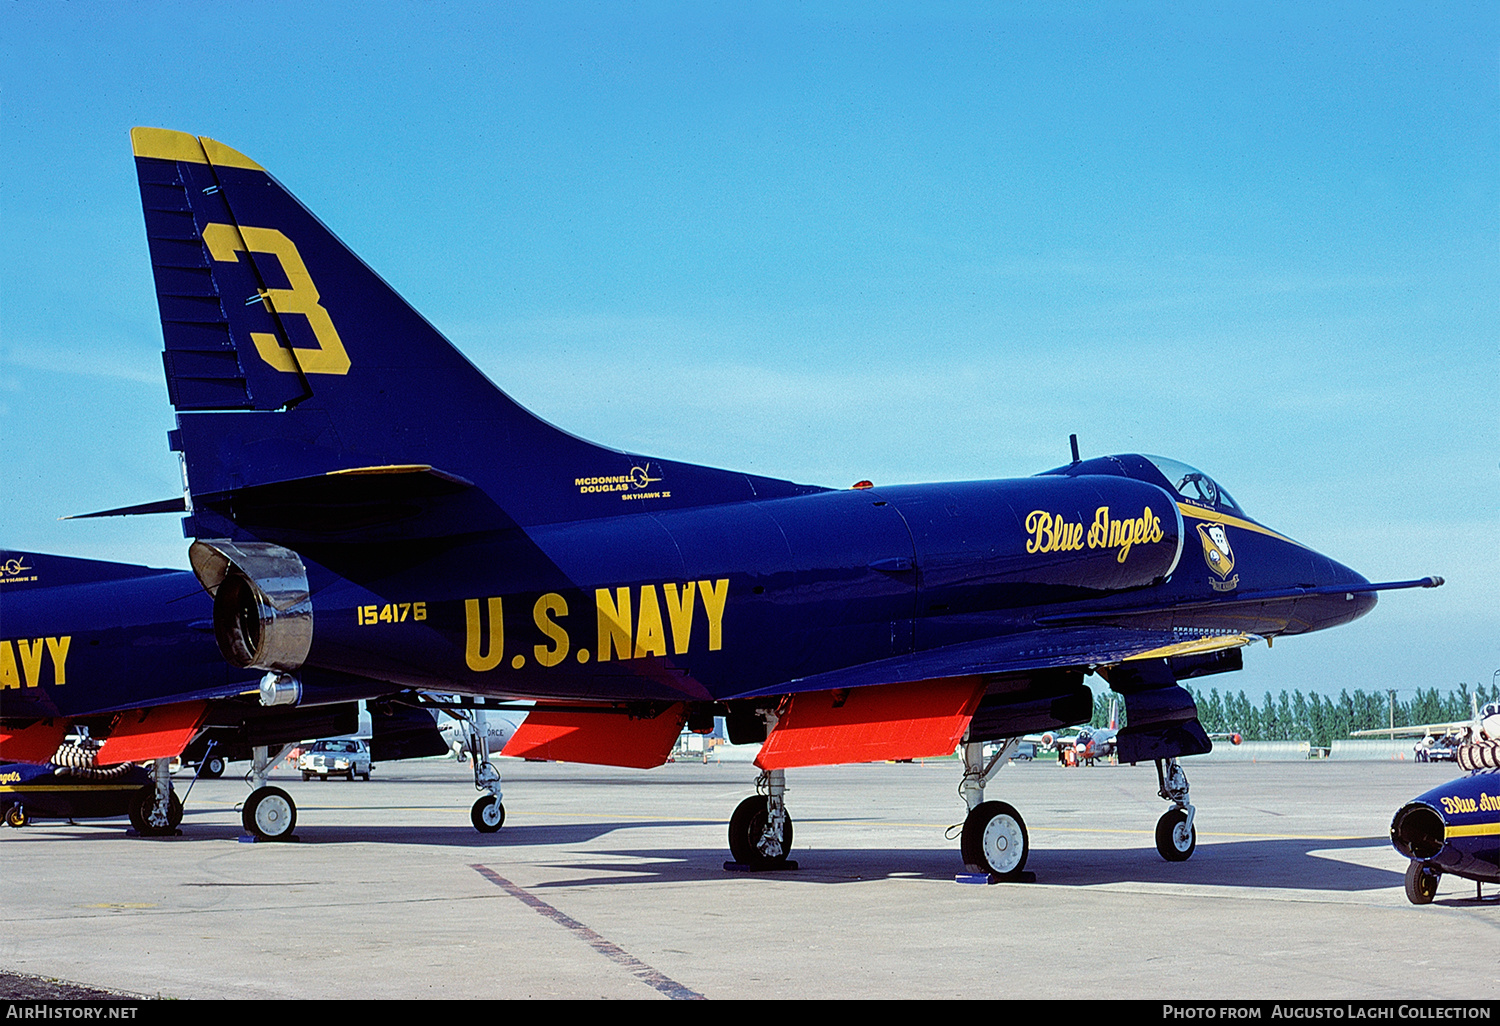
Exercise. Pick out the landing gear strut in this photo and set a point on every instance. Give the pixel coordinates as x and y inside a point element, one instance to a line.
<point>269,813</point>
<point>488,814</point>
<point>760,831</point>
<point>1175,835</point>
<point>1421,883</point>
<point>155,810</point>
<point>994,839</point>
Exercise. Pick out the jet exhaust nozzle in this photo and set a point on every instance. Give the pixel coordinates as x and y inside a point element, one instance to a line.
<point>1418,831</point>
<point>262,603</point>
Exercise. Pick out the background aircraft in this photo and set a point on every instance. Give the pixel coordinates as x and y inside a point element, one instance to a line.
<point>497,727</point>
<point>365,503</point>
<point>1484,722</point>
<point>48,791</point>
<point>126,655</point>
<point>1455,827</point>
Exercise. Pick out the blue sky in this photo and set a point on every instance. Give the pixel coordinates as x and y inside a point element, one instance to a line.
<point>816,242</point>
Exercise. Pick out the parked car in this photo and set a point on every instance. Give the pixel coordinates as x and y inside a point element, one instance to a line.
<point>1439,749</point>
<point>342,758</point>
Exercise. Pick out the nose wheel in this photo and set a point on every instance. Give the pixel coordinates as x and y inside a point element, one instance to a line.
<point>488,815</point>
<point>1421,883</point>
<point>1175,836</point>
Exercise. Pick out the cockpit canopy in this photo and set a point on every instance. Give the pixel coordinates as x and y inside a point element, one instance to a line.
<point>1188,483</point>
<point>1193,485</point>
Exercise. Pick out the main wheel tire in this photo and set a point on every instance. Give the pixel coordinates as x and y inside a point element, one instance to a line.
<point>745,829</point>
<point>139,811</point>
<point>15,816</point>
<point>487,815</point>
<point>1174,838</point>
<point>269,814</point>
<point>995,840</point>
<point>212,768</point>
<point>1421,883</point>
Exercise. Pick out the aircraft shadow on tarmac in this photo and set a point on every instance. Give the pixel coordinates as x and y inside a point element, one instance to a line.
<point>1281,863</point>
<point>1278,864</point>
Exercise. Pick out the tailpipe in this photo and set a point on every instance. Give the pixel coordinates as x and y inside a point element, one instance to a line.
<point>1418,831</point>
<point>262,604</point>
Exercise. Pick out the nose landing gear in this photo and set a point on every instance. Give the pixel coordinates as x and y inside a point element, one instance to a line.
<point>1176,838</point>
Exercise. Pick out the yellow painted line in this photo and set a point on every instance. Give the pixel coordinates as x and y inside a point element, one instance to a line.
<point>1218,833</point>
<point>1211,644</point>
<point>120,904</point>
<point>389,468</point>
<point>1474,830</point>
<point>85,788</point>
<point>1224,518</point>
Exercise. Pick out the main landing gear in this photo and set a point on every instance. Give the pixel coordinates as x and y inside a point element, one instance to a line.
<point>760,831</point>
<point>155,810</point>
<point>1175,836</point>
<point>269,814</point>
<point>994,840</point>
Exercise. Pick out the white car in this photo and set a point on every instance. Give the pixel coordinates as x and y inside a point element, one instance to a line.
<point>343,758</point>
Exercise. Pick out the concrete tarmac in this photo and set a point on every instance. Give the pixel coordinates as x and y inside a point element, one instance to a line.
<point>610,883</point>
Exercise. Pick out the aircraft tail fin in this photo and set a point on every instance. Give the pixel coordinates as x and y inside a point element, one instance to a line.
<point>287,358</point>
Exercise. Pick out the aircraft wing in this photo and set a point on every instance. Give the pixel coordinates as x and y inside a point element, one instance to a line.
<point>1413,729</point>
<point>1052,648</point>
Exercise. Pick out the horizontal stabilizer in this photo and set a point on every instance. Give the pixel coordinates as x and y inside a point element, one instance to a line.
<point>177,505</point>
<point>43,570</point>
<point>362,504</point>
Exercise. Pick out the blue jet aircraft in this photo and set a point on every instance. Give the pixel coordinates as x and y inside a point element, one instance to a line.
<point>1455,827</point>
<point>364,503</point>
<point>127,654</point>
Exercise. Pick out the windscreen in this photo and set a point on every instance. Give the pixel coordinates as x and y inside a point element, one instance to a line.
<point>1194,485</point>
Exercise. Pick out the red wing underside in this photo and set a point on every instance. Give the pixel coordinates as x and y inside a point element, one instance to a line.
<point>914,720</point>
<point>156,733</point>
<point>36,744</point>
<point>599,739</point>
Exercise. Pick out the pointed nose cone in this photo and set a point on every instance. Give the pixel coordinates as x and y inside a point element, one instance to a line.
<point>1317,612</point>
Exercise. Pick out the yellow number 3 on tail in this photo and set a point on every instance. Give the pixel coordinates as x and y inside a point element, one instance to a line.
<point>225,241</point>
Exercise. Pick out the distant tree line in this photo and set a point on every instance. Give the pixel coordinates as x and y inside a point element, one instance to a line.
<point>1314,718</point>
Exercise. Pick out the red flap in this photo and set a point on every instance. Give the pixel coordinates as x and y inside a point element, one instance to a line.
<point>156,733</point>
<point>599,739</point>
<point>37,743</point>
<point>921,719</point>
